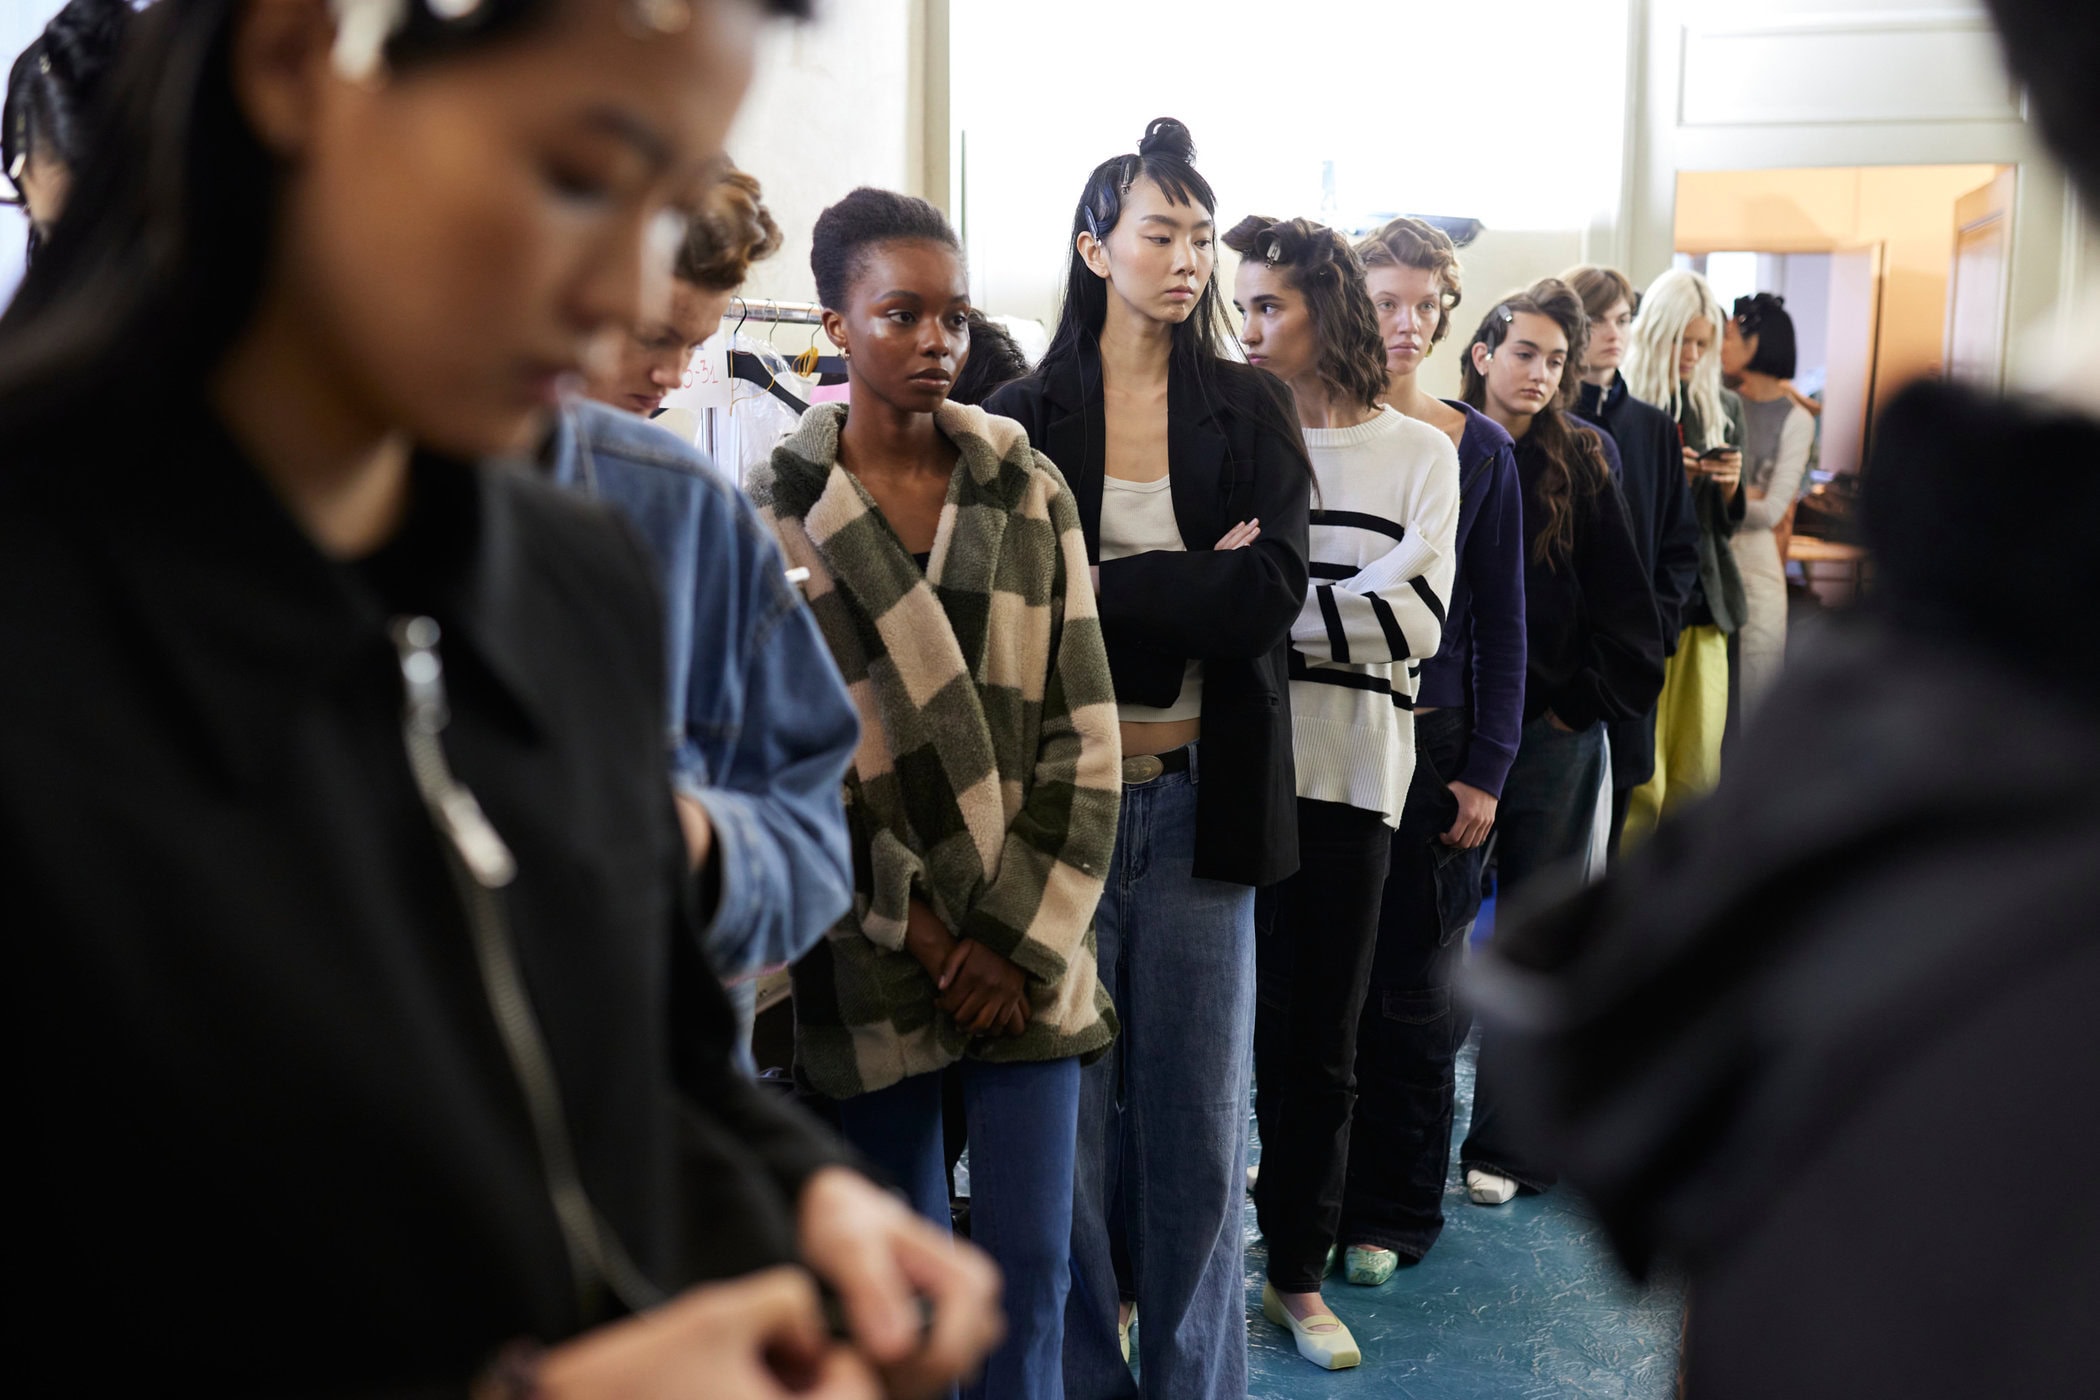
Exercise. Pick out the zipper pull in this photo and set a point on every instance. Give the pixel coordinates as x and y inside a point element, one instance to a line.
<point>424,716</point>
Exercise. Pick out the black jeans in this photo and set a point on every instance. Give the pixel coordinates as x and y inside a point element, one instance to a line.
<point>1548,806</point>
<point>1313,937</point>
<point>1407,1040</point>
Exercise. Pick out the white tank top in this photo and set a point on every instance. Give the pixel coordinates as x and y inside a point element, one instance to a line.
<point>1137,517</point>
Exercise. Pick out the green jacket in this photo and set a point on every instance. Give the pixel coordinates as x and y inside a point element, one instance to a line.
<point>1719,514</point>
<point>989,774</point>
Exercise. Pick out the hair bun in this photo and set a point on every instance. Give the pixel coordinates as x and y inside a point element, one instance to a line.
<point>82,39</point>
<point>1168,138</point>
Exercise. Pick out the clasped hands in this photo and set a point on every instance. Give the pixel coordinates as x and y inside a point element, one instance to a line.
<point>983,991</point>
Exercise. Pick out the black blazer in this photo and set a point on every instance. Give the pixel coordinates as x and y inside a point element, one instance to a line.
<point>1227,461</point>
<point>257,1076</point>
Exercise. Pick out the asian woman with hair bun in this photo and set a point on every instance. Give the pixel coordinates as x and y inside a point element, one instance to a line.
<point>1594,643</point>
<point>1382,565</point>
<point>1193,488</point>
<point>368,998</point>
<point>1757,359</point>
<point>1672,361</point>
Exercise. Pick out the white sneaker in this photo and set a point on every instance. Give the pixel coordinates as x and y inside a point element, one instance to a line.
<point>1488,1189</point>
<point>1253,1175</point>
<point>1123,1332</point>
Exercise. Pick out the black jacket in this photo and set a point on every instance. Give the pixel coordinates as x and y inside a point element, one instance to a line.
<point>1665,531</point>
<point>1825,1042</point>
<point>260,1100</point>
<point>1593,646</point>
<point>1658,498</point>
<point>1232,610</point>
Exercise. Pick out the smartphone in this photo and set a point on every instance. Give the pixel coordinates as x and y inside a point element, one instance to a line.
<point>1726,449</point>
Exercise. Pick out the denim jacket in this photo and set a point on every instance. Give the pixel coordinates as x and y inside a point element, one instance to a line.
<point>760,726</point>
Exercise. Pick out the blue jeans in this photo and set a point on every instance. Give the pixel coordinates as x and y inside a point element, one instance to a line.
<point>1163,1116</point>
<point>1549,802</point>
<point>1023,1120</point>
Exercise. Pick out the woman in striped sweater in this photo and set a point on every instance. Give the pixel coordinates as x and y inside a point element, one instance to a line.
<point>1382,563</point>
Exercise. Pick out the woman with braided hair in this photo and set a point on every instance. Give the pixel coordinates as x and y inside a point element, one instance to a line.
<point>1382,563</point>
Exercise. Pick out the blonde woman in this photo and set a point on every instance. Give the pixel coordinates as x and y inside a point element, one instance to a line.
<point>1673,362</point>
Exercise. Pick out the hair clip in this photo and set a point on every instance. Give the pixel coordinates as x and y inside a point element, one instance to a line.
<point>1093,223</point>
<point>1275,253</point>
<point>658,16</point>
<point>362,28</point>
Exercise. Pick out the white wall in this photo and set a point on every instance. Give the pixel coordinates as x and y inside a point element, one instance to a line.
<point>1817,83</point>
<point>1395,94</point>
<point>836,104</point>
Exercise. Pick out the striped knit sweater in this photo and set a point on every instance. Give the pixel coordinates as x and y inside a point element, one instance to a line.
<point>988,777</point>
<point>1382,565</point>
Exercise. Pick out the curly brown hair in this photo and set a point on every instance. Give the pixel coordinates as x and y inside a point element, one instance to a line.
<point>1405,242</point>
<point>1328,274</point>
<point>732,230</point>
<point>1573,453</point>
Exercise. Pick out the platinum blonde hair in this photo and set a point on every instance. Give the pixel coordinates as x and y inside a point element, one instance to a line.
<point>1672,302</point>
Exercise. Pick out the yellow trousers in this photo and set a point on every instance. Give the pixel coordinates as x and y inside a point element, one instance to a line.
<point>1689,718</point>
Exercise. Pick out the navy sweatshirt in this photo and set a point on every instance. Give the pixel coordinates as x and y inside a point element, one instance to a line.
<point>1481,661</point>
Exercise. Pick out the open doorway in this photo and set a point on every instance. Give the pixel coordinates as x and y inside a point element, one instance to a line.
<point>1892,273</point>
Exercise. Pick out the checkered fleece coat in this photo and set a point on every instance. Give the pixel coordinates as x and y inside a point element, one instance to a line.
<point>988,777</point>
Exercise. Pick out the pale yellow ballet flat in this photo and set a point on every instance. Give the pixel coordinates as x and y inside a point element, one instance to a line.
<point>1324,1341</point>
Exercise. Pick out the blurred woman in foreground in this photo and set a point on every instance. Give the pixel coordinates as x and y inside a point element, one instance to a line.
<point>353,918</point>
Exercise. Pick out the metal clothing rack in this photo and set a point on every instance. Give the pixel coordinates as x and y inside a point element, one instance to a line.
<point>786,313</point>
<point>744,311</point>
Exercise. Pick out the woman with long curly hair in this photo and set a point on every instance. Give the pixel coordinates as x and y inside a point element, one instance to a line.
<point>1382,563</point>
<point>1594,645</point>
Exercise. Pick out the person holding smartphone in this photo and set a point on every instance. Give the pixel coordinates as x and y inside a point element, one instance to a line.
<point>1673,362</point>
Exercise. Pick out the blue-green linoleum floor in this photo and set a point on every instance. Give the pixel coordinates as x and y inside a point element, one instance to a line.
<point>1516,1302</point>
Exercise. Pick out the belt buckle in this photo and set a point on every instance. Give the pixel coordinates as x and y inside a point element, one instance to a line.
<point>1142,768</point>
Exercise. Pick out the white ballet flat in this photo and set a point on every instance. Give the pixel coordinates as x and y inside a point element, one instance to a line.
<point>1488,1189</point>
<point>1324,1341</point>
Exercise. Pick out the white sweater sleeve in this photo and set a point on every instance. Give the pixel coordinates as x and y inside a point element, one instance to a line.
<point>1392,609</point>
<point>1797,436</point>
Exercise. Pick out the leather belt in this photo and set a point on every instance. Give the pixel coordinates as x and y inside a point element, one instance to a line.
<point>1144,767</point>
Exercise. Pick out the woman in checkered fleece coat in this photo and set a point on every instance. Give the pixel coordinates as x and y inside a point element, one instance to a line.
<point>948,573</point>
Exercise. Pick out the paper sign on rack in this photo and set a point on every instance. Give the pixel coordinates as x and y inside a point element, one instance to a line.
<point>706,383</point>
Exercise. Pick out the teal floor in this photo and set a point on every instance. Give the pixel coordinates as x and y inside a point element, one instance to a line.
<point>1516,1302</point>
